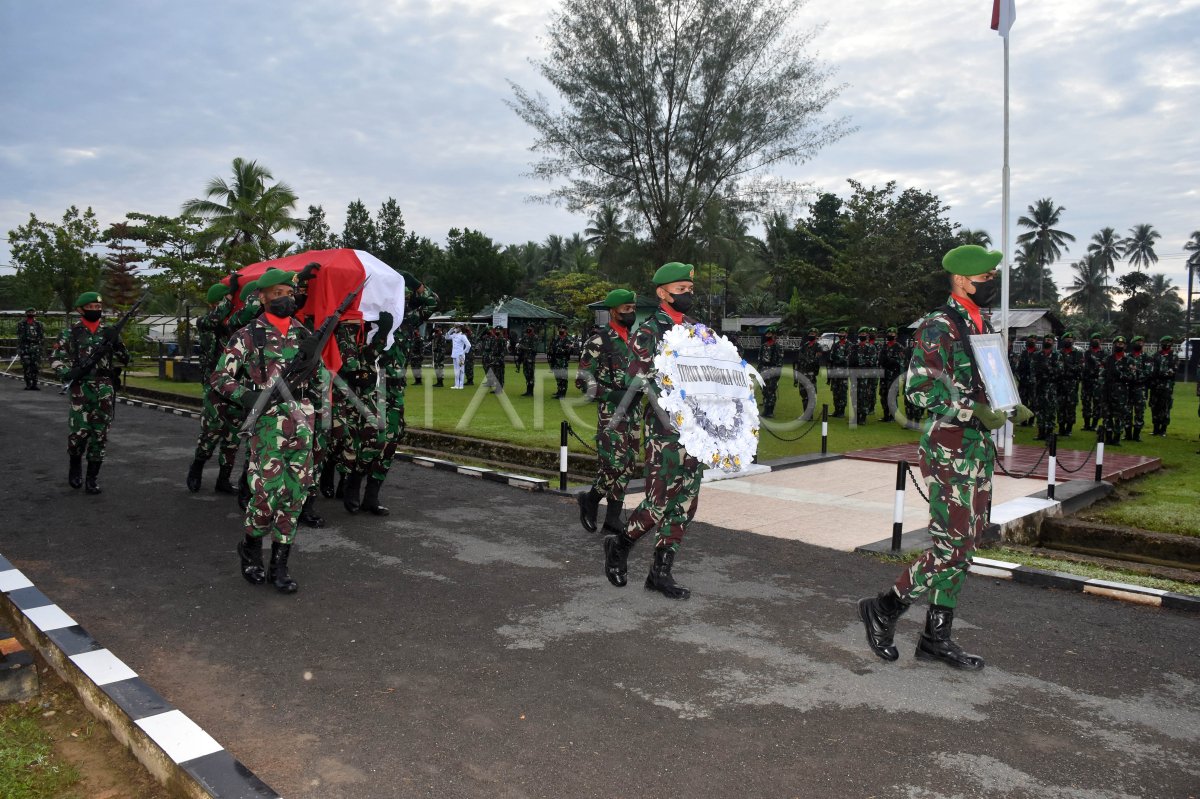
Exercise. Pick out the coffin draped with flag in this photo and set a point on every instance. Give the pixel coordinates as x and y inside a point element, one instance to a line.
<point>341,272</point>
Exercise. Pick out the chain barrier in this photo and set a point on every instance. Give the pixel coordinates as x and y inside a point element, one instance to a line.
<point>916,483</point>
<point>586,446</point>
<point>774,435</point>
<point>1036,464</point>
<point>1080,466</point>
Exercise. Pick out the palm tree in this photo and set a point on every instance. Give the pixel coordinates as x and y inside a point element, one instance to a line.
<point>553,253</point>
<point>1193,265</point>
<point>1089,291</point>
<point>605,232</point>
<point>968,236</point>
<point>1106,249</point>
<point>1139,246</point>
<point>1048,243</point>
<point>244,215</point>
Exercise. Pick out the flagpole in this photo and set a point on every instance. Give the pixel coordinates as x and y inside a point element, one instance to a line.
<point>1006,268</point>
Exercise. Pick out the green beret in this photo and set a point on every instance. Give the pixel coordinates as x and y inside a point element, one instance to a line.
<point>970,260</point>
<point>216,291</point>
<point>275,277</point>
<point>674,272</point>
<point>30,310</point>
<point>814,330</point>
<point>892,330</point>
<point>1166,340</point>
<point>1030,339</point>
<point>1136,339</point>
<point>864,330</point>
<point>86,298</point>
<point>249,289</point>
<point>1096,335</point>
<point>1069,334</point>
<point>843,330</point>
<point>1120,339</point>
<point>1048,337</point>
<point>619,297</point>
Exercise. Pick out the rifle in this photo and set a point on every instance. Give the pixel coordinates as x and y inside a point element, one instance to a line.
<point>301,367</point>
<point>111,336</point>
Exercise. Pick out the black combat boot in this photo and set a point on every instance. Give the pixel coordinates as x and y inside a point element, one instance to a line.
<point>243,490</point>
<point>34,383</point>
<point>612,516</point>
<point>328,473</point>
<point>879,615</point>
<point>660,579</point>
<point>308,514</point>
<point>935,643</point>
<point>89,483</point>
<point>616,558</point>
<point>438,384</point>
<point>528,390</point>
<point>223,486</point>
<point>352,492</point>
<point>589,506</point>
<point>277,571</point>
<point>370,500</point>
<point>250,551</point>
<point>75,471</point>
<point>194,475</point>
<point>1137,434</point>
<point>340,491</point>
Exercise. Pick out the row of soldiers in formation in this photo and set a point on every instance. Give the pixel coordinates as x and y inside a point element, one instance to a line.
<point>880,362</point>
<point>1052,378</point>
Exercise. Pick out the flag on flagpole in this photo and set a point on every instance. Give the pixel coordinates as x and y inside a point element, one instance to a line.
<point>1004,13</point>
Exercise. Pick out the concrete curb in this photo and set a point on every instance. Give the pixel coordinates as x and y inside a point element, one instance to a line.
<point>1004,570</point>
<point>172,747</point>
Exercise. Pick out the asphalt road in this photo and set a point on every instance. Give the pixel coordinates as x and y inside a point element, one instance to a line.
<point>469,646</point>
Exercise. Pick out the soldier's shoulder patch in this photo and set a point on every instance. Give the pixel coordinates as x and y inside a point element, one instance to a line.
<point>932,332</point>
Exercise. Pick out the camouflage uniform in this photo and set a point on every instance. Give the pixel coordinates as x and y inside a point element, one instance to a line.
<point>1117,379</point>
<point>808,365</point>
<point>494,352</point>
<point>219,420</point>
<point>416,354</point>
<point>30,336</point>
<point>1047,369</point>
<point>864,359</point>
<point>1068,387</point>
<point>1093,405</point>
<point>392,364</point>
<point>527,348</point>
<point>912,411</point>
<point>1137,397</point>
<point>356,426</point>
<point>93,396</point>
<point>469,358</point>
<point>893,362</point>
<point>956,458</point>
<point>770,361</point>
<point>558,354</point>
<point>1027,385</point>
<point>281,442</point>
<point>839,362</point>
<point>602,375</point>
<point>438,345</point>
<point>1162,386</point>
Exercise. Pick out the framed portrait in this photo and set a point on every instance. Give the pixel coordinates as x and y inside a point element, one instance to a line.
<point>992,359</point>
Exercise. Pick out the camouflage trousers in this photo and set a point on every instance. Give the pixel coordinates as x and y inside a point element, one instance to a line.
<point>1046,410</point>
<point>219,425</point>
<point>616,448</point>
<point>469,368</point>
<point>92,407</point>
<point>1090,399</point>
<point>957,465</point>
<point>1068,403</point>
<point>770,390</point>
<point>672,493</point>
<point>839,387</point>
<point>30,363</point>
<point>1116,410</point>
<point>808,392</point>
<point>889,388</point>
<point>390,434</point>
<point>495,372</point>
<point>1161,399</point>
<point>439,366</point>
<point>528,368</point>
<point>1137,407</point>
<point>281,470</point>
<point>360,419</point>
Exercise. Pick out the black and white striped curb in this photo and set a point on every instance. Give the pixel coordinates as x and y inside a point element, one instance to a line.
<point>491,475</point>
<point>1004,570</point>
<point>173,748</point>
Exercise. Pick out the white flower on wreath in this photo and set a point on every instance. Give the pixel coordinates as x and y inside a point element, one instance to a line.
<point>720,432</point>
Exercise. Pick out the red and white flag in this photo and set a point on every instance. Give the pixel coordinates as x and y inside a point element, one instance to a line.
<point>1004,13</point>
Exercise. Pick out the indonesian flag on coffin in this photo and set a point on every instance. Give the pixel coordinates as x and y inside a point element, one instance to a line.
<point>341,272</point>
<point>1004,13</point>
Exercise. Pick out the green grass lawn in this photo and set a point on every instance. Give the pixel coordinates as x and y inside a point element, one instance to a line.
<point>1091,571</point>
<point>1165,501</point>
<point>29,768</point>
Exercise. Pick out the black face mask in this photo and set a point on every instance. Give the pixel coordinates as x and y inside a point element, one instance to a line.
<point>812,338</point>
<point>282,306</point>
<point>862,339</point>
<point>1046,345</point>
<point>891,338</point>
<point>1119,348</point>
<point>1137,347</point>
<point>986,292</point>
<point>627,319</point>
<point>92,316</point>
<point>682,302</point>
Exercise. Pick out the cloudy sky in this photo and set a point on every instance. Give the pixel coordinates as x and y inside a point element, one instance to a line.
<point>134,106</point>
